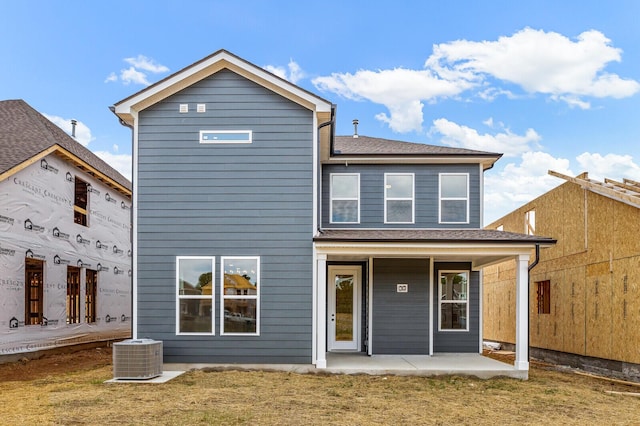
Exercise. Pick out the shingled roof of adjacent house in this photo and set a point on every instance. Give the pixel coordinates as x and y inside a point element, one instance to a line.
<point>26,134</point>
<point>365,145</point>
<point>430,236</point>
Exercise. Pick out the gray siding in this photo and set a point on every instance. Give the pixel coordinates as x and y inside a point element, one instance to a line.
<point>227,200</point>
<point>458,341</point>
<point>426,194</point>
<point>400,320</point>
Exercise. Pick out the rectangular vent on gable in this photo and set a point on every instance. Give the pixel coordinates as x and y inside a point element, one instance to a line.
<point>184,108</point>
<point>201,108</point>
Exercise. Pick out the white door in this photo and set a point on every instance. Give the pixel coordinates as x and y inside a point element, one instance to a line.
<point>344,310</point>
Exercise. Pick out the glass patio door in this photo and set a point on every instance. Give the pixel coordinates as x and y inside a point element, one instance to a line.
<point>343,312</point>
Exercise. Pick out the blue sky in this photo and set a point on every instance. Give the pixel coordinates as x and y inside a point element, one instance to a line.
<point>551,84</point>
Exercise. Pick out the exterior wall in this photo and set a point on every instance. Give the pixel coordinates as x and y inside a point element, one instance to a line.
<point>37,221</point>
<point>594,271</point>
<point>227,200</point>
<point>426,194</point>
<point>400,320</point>
<point>458,341</point>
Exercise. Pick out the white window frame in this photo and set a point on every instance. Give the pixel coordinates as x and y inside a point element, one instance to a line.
<point>204,136</point>
<point>412,198</point>
<point>441,198</point>
<point>255,297</point>
<point>441,302</point>
<point>180,297</point>
<point>332,198</point>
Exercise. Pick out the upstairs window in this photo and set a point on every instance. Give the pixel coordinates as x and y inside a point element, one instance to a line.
<point>345,198</point>
<point>81,202</point>
<point>530,222</point>
<point>398,198</point>
<point>454,198</point>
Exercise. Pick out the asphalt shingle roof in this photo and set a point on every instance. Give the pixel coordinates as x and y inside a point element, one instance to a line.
<point>365,145</point>
<point>24,133</point>
<point>430,235</point>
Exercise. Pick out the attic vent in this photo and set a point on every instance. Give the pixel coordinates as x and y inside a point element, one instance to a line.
<point>137,359</point>
<point>184,108</point>
<point>201,108</point>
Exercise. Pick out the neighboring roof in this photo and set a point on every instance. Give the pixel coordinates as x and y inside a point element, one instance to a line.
<point>365,145</point>
<point>222,59</point>
<point>27,136</point>
<point>627,191</point>
<point>430,236</point>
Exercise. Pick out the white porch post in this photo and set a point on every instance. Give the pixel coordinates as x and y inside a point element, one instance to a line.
<point>522,312</point>
<point>321,309</point>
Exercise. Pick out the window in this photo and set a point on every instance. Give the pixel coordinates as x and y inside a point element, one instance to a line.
<point>81,201</point>
<point>34,283</point>
<point>240,295</point>
<point>398,197</point>
<point>345,198</point>
<point>91,293</point>
<point>530,222</point>
<point>194,277</point>
<point>73,295</point>
<point>544,297</point>
<point>454,198</point>
<point>454,300</point>
<point>226,136</point>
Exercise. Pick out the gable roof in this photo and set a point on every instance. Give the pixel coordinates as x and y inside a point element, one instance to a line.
<point>27,136</point>
<point>222,59</point>
<point>627,191</point>
<point>366,146</point>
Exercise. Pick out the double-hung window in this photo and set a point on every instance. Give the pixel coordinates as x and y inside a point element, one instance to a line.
<point>240,301</point>
<point>454,198</point>
<point>398,197</point>
<point>453,301</point>
<point>194,282</point>
<point>345,198</point>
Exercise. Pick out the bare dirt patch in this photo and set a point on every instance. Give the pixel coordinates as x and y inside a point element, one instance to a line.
<point>69,389</point>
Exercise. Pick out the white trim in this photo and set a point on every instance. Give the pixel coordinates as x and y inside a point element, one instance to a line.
<point>255,297</point>
<point>441,199</point>
<point>370,308</point>
<point>180,297</point>
<point>321,303</point>
<point>452,301</point>
<point>481,174</point>
<point>522,312</point>
<point>432,272</point>
<point>204,137</point>
<point>134,231</point>
<point>332,198</point>
<point>412,199</point>
<point>480,307</point>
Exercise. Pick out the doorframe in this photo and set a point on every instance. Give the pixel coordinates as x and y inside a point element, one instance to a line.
<point>358,296</point>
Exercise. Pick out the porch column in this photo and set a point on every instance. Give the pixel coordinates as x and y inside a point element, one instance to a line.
<point>321,311</point>
<point>522,312</point>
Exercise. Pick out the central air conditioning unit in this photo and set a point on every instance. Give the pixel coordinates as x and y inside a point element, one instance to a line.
<point>137,359</point>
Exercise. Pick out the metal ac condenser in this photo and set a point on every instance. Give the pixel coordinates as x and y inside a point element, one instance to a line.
<point>137,359</point>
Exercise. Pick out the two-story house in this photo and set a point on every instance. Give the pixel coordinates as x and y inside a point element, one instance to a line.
<point>65,238</point>
<point>313,243</point>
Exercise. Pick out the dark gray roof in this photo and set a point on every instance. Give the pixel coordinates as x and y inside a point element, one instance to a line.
<point>365,145</point>
<point>429,236</point>
<point>24,133</point>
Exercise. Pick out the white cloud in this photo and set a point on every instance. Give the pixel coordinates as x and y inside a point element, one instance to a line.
<point>115,147</point>
<point>506,142</point>
<point>83,133</point>
<point>293,73</point>
<point>120,162</point>
<point>401,90</point>
<point>138,72</point>
<point>539,62</point>
<point>517,184</point>
<point>610,166</point>
<point>550,63</point>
